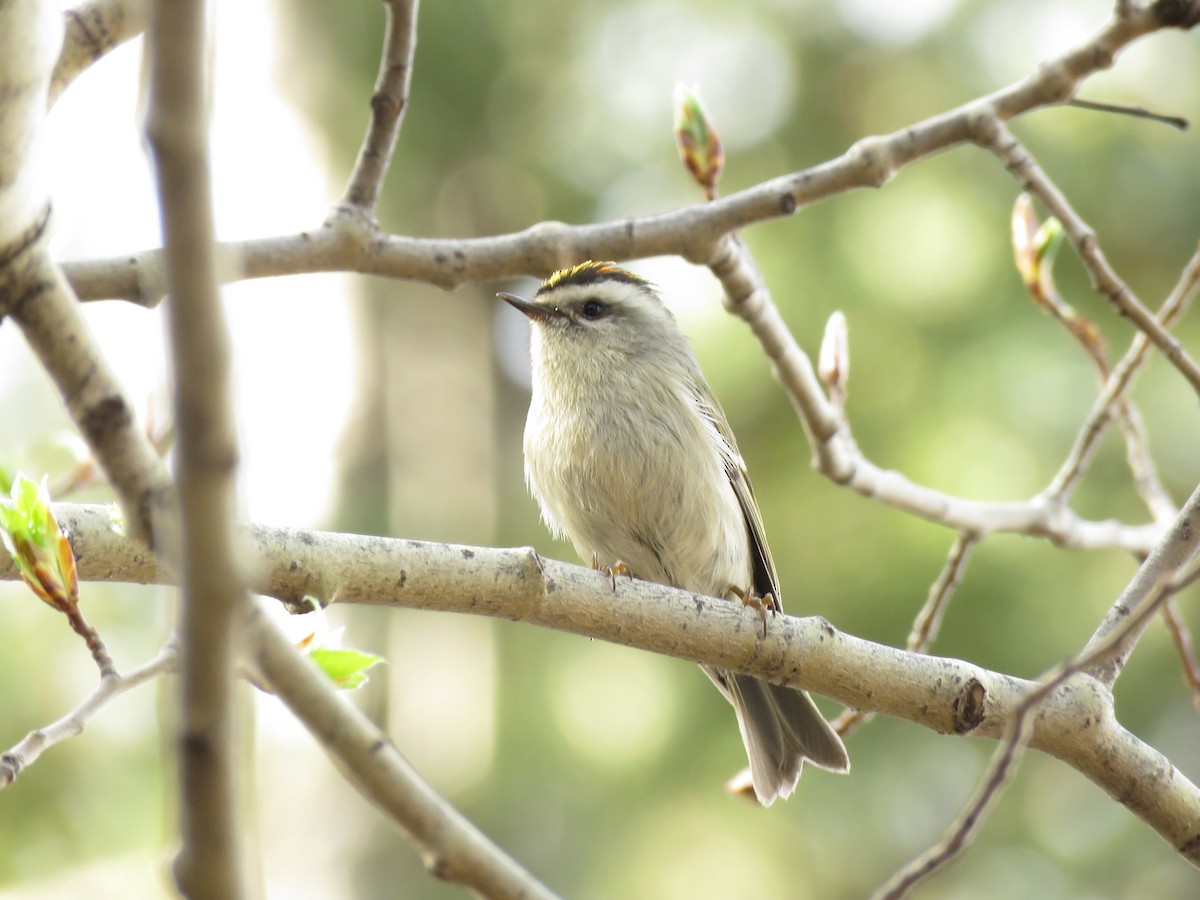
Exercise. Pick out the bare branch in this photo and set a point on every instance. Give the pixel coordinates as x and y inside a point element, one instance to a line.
<point>837,456</point>
<point>992,134</point>
<point>209,863</point>
<point>1118,383</point>
<point>94,28</point>
<point>1182,638</point>
<point>1033,251</point>
<point>452,848</point>
<point>1008,755</point>
<point>928,621</point>
<point>692,232</point>
<point>37,297</point>
<point>1124,109</point>
<point>27,751</point>
<point>1075,725</point>
<point>388,104</point>
<point>747,296</point>
<point>1176,550</point>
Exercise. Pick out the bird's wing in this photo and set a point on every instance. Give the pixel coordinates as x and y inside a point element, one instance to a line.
<point>766,579</point>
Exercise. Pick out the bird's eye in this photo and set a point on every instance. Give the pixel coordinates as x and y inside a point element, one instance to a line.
<point>593,309</point>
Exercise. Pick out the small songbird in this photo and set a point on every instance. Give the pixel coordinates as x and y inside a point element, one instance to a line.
<point>630,456</point>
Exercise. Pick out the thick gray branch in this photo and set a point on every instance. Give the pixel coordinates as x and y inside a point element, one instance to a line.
<point>950,696</point>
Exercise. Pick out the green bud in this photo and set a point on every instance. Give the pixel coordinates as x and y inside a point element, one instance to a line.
<point>699,146</point>
<point>40,549</point>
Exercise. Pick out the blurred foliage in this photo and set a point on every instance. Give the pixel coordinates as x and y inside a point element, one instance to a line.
<point>603,769</point>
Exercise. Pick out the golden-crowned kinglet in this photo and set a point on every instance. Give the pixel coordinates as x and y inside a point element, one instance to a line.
<point>630,456</point>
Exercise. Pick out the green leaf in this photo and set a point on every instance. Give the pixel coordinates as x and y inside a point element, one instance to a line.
<point>346,668</point>
<point>39,548</point>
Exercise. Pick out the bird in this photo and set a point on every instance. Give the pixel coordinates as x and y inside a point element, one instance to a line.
<point>630,456</point>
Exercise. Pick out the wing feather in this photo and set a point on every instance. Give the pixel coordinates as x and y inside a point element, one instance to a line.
<point>766,579</point>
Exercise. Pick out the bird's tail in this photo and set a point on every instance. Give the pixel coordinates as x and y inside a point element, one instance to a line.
<point>781,728</point>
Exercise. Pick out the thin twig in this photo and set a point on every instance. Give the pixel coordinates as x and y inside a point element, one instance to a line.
<point>837,456</point>
<point>1119,381</point>
<point>91,637</point>
<point>388,104</point>
<point>1137,112</point>
<point>1137,448</point>
<point>747,296</point>
<point>992,134</point>
<point>928,620</point>
<point>1181,636</point>
<point>1007,756</point>
<point>210,860</point>
<point>452,848</point>
<point>26,752</point>
<point>1178,547</point>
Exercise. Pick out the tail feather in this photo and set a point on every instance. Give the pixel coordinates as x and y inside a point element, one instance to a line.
<point>781,728</point>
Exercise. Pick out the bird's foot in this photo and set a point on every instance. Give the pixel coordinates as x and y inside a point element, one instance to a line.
<point>763,603</point>
<point>617,568</point>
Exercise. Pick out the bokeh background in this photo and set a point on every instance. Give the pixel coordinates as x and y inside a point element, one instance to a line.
<point>393,408</point>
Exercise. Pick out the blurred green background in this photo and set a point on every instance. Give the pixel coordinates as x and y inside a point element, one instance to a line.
<point>598,767</point>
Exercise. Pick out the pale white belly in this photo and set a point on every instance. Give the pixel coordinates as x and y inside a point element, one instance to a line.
<point>649,492</point>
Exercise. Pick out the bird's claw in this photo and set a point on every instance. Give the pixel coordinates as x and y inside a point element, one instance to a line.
<point>617,568</point>
<point>754,600</point>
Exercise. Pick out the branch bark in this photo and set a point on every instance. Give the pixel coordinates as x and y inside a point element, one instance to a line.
<point>1075,725</point>
<point>692,232</point>
<point>452,848</point>
<point>93,29</point>
<point>388,104</point>
<point>209,863</point>
<point>37,297</point>
<point>1177,549</point>
<point>26,752</point>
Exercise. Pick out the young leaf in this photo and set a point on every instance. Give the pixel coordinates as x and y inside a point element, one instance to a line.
<point>344,667</point>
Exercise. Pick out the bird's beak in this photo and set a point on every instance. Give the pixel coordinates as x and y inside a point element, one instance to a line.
<point>536,311</point>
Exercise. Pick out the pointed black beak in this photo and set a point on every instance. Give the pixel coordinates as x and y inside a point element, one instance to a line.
<point>536,311</point>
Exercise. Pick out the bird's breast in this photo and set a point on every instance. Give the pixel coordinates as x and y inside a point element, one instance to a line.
<point>639,480</point>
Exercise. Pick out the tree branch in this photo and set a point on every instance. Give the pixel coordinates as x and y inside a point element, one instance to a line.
<point>992,134</point>
<point>93,29</point>
<point>388,104</point>
<point>452,848</point>
<point>27,751</point>
<point>1008,755</point>
<point>1076,724</point>
<point>37,297</point>
<point>1175,551</point>
<point>1119,381</point>
<point>209,863</point>
<point>692,232</point>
